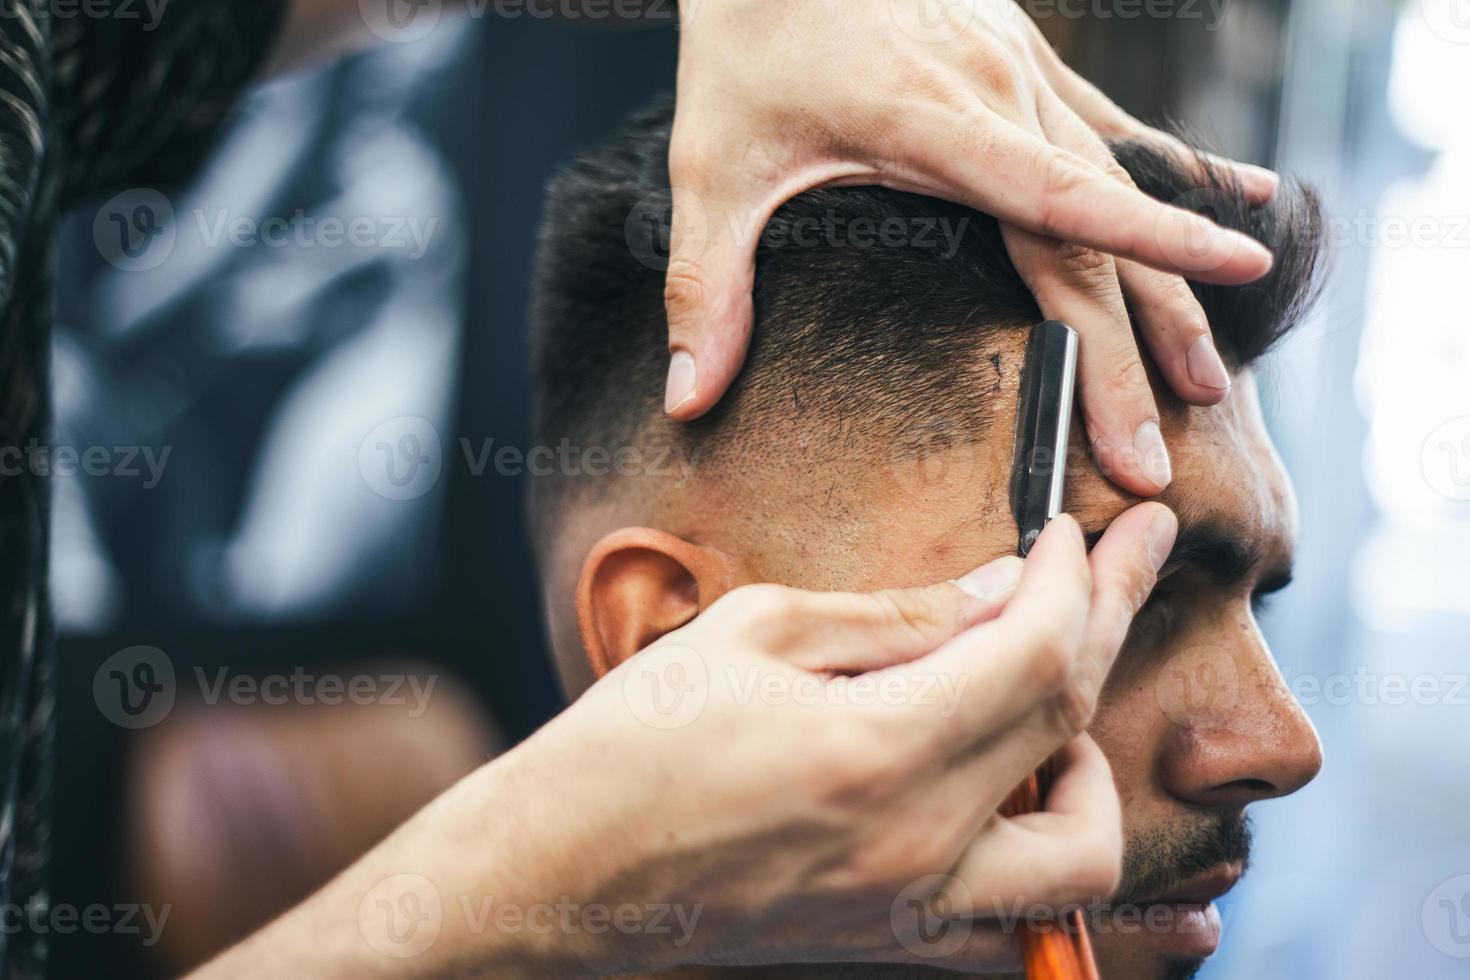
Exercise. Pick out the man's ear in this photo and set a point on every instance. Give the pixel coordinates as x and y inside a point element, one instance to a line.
<point>639,584</point>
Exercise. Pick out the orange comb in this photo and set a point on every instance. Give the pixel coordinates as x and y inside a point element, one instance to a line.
<point>1062,951</point>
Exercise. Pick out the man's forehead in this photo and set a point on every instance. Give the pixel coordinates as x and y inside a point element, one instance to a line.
<point>953,506</point>
<point>940,505</point>
<point>1228,479</point>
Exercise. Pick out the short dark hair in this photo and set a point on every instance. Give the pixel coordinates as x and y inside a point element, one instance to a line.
<point>843,331</point>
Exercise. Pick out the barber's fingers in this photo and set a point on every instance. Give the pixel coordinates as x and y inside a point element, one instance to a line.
<point>707,294</point>
<point>1069,852</point>
<point>1169,317</point>
<point>1080,287</point>
<point>1039,666</point>
<point>854,632</point>
<point>1112,123</point>
<point>1174,328</point>
<point>1058,194</point>
<point>1125,567</point>
<point>1005,667</point>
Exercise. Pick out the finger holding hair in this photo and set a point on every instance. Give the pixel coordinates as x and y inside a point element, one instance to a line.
<point>1058,194</point>
<point>1111,122</point>
<point>1169,317</point>
<point>855,632</point>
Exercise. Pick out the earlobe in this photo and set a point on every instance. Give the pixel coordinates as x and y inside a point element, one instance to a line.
<point>639,584</point>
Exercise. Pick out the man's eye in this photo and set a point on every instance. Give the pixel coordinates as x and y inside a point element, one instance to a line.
<point>1265,593</point>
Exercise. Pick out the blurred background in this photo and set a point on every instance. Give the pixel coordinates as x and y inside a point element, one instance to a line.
<point>300,368</point>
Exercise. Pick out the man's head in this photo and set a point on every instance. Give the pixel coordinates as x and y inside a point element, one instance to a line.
<point>867,444</point>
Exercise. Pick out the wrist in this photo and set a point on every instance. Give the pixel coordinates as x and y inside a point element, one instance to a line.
<point>562,886</point>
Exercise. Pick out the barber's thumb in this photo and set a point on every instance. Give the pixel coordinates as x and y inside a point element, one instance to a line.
<point>707,297</point>
<point>855,632</point>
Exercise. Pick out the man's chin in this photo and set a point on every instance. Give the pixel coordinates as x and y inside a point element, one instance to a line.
<point>1150,968</point>
<point>1135,961</point>
<point>1181,969</point>
<point>1157,941</point>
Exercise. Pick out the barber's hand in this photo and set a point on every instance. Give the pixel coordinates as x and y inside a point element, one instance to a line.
<point>970,105</point>
<point>735,771</point>
<point>792,777</point>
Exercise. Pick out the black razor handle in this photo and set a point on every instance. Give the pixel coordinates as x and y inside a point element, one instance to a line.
<point>1043,426</point>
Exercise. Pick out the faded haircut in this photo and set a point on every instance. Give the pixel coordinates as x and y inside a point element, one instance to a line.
<point>871,305</point>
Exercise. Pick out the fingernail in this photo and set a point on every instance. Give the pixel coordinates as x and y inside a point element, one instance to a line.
<point>1237,243</point>
<point>1161,535</point>
<point>680,387</point>
<point>995,579</point>
<point>1205,367</point>
<point>1153,458</point>
<point>1265,181</point>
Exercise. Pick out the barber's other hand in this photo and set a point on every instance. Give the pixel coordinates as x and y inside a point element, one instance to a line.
<point>735,772</point>
<point>957,99</point>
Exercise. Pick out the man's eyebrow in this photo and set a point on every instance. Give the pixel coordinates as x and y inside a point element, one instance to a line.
<point>1210,548</point>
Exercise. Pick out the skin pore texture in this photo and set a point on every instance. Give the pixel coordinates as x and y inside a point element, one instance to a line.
<point>1195,719</point>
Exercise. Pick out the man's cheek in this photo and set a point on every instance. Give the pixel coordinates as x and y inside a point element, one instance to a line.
<point>1126,728</point>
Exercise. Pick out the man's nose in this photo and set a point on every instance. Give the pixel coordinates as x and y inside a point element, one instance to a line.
<point>1239,735</point>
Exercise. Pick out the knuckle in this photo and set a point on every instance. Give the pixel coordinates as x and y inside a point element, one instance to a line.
<point>1062,179</point>
<point>1113,168</point>
<point>689,162</point>
<point>1096,269</point>
<point>1125,370</point>
<point>684,289</point>
<point>925,83</point>
<point>991,65</point>
<point>908,613</point>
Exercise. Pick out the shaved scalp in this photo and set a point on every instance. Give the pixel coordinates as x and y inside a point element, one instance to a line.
<point>873,308</point>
